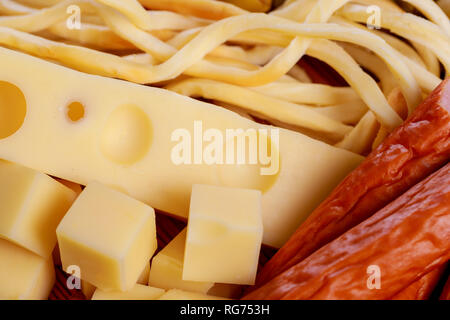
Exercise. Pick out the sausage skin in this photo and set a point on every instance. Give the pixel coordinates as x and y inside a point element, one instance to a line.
<point>413,151</point>
<point>398,245</point>
<point>446,292</point>
<point>422,288</point>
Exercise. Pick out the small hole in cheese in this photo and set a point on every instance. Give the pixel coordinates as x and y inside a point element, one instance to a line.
<point>13,108</point>
<point>75,111</point>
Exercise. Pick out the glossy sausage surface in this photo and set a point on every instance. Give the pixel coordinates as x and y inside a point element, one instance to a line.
<point>380,257</point>
<point>409,154</point>
<point>422,288</point>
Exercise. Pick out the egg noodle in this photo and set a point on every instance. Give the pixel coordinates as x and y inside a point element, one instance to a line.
<point>390,53</point>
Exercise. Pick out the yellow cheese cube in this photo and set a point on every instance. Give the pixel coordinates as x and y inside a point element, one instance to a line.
<point>143,278</point>
<point>87,289</point>
<point>109,236</point>
<point>177,294</point>
<point>31,206</point>
<point>167,268</point>
<point>23,274</point>
<point>71,185</point>
<point>138,292</point>
<point>224,235</point>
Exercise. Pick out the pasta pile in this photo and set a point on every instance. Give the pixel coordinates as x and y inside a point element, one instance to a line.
<point>247,61</point>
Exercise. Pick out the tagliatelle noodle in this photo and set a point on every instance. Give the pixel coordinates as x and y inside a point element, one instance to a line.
<point>76,57</point>
<point>200,34</point>
<point>366,39</point>
<point>132,10</point>
<point>92,19</point>
<point>373,64</point>
<point>258,55</point>
<point>299,74</point>
<point>39,3</point>
<point>397,101</point>
<point>295,114</point>
<point>410,27</point>
<point>346,67</point>
<point>308,11</point>
<point>393,41</point>
<point>392,124</point>
<point>277,67</point>
<point>37,20</point>
<point>141,58</point>
<point>360,139</point>
<point>402,47</point>
<point>166,20</point>
<point>430,59</point>
<point>290,88</point>
<point>308,93</point>
<point>9,7</point>
<point>289,79</point>
<point>93,35</point>
<point>209,9</point>
<point>426,54</point>
<point>413,93</point>
<point>42,19</point>
<point>383,4</point>
<point>426,79</point>
<point>348,112</point>
<point>282,62</point>
<point>280,65</point>
<point>359,80</point>
<point>217,62</point>
<point>297,10</point>
<point>433,12</point>
<point>231,64</point>
<point>79,57</point>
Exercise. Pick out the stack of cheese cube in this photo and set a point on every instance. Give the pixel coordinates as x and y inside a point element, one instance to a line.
<point>217,252</point>
<point>105,240</point>
<point>220,247</point>
<point>31,206</point>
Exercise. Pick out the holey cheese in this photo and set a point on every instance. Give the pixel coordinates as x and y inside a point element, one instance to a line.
<point>81,128</point>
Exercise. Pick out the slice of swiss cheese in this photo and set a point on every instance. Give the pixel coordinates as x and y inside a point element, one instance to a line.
<point>123,139</point>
